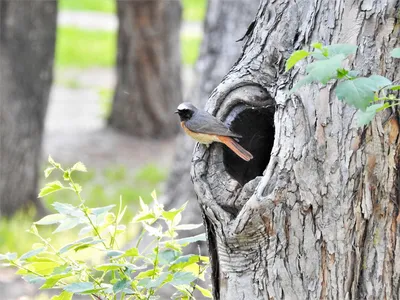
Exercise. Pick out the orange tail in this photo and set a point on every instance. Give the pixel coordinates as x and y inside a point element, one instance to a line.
<point>235,147</point>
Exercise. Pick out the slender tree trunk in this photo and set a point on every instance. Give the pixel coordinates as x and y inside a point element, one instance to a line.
<point>226,23</point>
<point>27,42</point>
<point>318,216</point>
<point>148,68</point>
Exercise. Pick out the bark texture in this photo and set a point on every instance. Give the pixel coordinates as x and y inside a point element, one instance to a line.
<point>27,42</point>
<point>320,220</point>
<point>148,68</point>
<point>226,22</point>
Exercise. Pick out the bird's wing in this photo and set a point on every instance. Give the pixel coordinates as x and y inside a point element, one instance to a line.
<point>203,122</point>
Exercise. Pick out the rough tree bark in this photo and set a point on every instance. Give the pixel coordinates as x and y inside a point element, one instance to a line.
<point>225,24</point>
<point>318,216</point>
<point>148,68</point>
<point>27,42</point>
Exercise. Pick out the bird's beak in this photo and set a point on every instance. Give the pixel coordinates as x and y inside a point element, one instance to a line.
<point>176,112</point>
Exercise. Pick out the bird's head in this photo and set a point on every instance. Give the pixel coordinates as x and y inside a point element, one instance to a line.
<point>185,111</point>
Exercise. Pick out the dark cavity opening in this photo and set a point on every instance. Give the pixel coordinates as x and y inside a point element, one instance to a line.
<point>256,126</point>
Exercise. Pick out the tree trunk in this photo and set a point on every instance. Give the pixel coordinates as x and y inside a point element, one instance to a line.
<point>316,217</point>
<point>226,23</point>
<point>148,68</point>
<point>27,42</point>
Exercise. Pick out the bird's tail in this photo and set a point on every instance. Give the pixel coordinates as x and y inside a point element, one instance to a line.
<point>235,147</point>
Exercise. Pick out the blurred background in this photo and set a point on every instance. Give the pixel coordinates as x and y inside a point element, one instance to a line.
<point>98,81</point>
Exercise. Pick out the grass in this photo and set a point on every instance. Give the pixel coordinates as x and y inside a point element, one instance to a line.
<point>100,188</point>
<point>193,10</point>
<point>80,48</point>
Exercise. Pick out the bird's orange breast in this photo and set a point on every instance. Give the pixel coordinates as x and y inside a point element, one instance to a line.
<point>203,138</point>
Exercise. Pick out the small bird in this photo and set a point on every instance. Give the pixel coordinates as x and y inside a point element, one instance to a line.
<point>205,128</point>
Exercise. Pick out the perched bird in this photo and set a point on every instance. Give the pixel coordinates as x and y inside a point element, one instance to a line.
<point>205,128</point>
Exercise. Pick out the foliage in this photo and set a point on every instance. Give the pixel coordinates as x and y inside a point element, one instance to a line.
<point>368,94</point>
<point>134,273</point>
<point>193,10</point>
<point>82,48</point>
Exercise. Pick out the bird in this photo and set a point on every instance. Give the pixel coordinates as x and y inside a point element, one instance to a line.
<point>206,129</point>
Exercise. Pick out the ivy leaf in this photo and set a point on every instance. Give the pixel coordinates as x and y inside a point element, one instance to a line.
<point>51,187</point>
<point>325,70</point>
<point>295,58</point>
<point>365,117</point>
<point>344,49</point>
<point>395,53</point>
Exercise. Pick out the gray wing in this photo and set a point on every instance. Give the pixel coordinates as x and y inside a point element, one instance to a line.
<point>203,122</point>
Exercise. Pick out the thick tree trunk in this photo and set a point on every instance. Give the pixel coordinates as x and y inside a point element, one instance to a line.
<point>226,23</point>
<point>27,42</point>
<point>148,68</point>
<point>318,216</point>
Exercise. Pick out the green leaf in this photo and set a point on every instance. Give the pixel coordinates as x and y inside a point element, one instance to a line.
<point>365,117</point>
<point>316,45</point>
<point>358,92</point>
<point>132,252</point>
<point>325,70</point>
<point>379,81</point>
<point>295,58</point>
<point>63,296</point>
<point>8,256</point>
<point>67,175</point>
<point>192,239</point>
<point>341,73</point>
<point>184,261</point>
<point>52,280</point>
<point>113,253</point>
<point>52,162</point>
<point>306,80</point>
<point>353,74</point>
<point>121,285</point>
<point>51,187</point>
<point>159,281</point>
<point>188,226</point>
<point>167,256</point>
<point>32,253</point>
<point>144,217</point>
<point>34,279</point>
<point>157,232</point>
<point>50,219</point>
<point>79,167</point>
<point>48,171</point>
<point>79,243</point>
<point>181,278</point>
<point>146,274</point>
<point>344,49</point>
<point>68,209</point>
<point>171,214</point>
<point>394,87</point>
<point>206,293</point>
<point>67,224</point>
<point>109,267</point>
<point>99,210</point>
<point>79,287</point>
<point>42,268</point>
<point>395,53</point>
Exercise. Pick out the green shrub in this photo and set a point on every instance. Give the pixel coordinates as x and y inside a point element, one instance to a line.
<point>134,273</point>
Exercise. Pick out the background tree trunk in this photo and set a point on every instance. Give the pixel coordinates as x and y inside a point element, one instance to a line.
<point>226,22</point>
<point>27,42</point>
<point>148,68</point>
<point>318,216</point>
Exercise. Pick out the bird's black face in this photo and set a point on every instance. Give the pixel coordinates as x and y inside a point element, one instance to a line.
<point>185,114</point>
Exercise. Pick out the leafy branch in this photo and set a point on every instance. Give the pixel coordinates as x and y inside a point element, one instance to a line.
<point>368,94</point>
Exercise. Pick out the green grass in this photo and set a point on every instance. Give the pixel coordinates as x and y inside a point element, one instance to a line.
<point>193,10</point>
<point>100,188</point>
<point>85,48</point>
<point>80,48</point>
<point>106,6</point>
